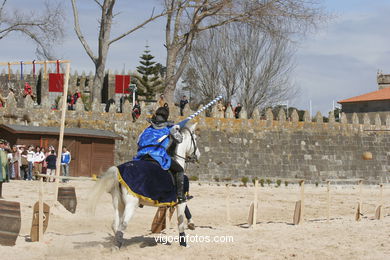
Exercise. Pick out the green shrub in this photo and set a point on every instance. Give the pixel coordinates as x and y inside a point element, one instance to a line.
<point>193,178</point>
<point>254,180</point>
<point>268,182</point>
<point>244,180</point>
<point>261,182</point>
<point>286,183</point>
<point>278,183</point>
<point>316,183</point>
<point>216,179</point>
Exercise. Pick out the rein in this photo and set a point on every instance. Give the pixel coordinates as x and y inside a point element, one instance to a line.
<point>192,157</point>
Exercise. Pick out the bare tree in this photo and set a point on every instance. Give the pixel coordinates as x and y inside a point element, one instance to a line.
<point>45,28</point>
<point>104,40</point>
<point>243,63</point>
<point>187,18</point>
<point>265,69</point>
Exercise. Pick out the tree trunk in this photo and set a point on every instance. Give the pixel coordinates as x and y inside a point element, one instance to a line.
<point>170,81</point>
<point>98,80</point>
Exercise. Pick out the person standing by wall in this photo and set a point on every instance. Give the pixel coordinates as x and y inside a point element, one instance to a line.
<point>23,164</point>
<point>39,157</point>
<point>183,103</point>
<point>51,165</point>
<point>3,165</point>
<point>16,161</point>
<point>30,160</point>
<point>136,112</point>
<point>65,161</point>
<point>237,111</point>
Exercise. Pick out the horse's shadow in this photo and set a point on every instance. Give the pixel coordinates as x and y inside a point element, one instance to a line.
<point>108,242</point>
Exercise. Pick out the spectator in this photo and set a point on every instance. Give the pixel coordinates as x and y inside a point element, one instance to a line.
<point>65,161</point>
<point>136,112</point>
<point>237,111</point>
<point>51,165</point>
<point>15,162</point>
<point>221,109</point>
<point>121,102</point>
<point>28,91</point>
<point>4,177</point>
<point>2,100</point>
<point>11,172</point>
<point>23,164</point>
<point>161,101</point>
<point>30,159</point>
<point>183,103</point>
<point>39,158</point>
<point>76,96</point>
<point>70,101</point>
<point>109,103</point>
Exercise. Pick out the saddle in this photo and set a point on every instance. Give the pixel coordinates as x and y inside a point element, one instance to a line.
<point>147,181</point>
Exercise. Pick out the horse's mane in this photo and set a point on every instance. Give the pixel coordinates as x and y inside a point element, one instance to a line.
<point>172,148</point>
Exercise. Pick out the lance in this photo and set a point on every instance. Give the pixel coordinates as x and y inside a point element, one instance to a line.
<point>182,123</point>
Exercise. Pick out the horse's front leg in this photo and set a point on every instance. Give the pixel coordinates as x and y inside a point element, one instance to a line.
<point>118,209</point>
<point>180,222</point>
<point>130,205</point>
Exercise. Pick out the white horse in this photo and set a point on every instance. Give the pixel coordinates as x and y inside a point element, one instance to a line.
<point>125,203</point>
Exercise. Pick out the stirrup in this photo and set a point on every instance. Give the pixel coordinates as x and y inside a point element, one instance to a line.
<point>181,200</point>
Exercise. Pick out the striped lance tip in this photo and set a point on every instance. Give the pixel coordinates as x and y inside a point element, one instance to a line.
<point>215,100</point>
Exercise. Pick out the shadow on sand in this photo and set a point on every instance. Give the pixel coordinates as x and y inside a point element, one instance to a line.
<point>108,242</point>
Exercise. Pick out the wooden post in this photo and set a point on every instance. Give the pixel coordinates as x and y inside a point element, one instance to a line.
<point>9,71</point>
<point>61,137</point>
<point>227,204</point>
<point>328,202</point>
<point>361,195</point>
<point>45,70</point>
<point>379,210</point>
<point>255,205</point>
<point>40,215</point>
<point>302,201</point>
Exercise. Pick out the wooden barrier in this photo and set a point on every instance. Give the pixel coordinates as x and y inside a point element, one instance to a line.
<point>36,233</point>
<point>67,197</point>
<point>328,201</point>
<point>378,211</point>
<point>10,222</point>
<point>227,204</point>
<point>360,203</point>
<point>40,201</point>
<point>252,216</point>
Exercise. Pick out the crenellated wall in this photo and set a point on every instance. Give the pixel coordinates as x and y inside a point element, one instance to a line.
<point>233,148</point>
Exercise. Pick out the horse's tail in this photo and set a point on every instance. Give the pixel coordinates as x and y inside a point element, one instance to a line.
<point>107,183</point>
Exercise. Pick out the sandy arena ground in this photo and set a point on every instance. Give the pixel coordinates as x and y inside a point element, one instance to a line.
<point>81,236</point>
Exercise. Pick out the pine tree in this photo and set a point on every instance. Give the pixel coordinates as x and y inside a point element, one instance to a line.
<point>148,77</point>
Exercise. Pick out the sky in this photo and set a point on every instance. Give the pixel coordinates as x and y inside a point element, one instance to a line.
<point>338,60</point>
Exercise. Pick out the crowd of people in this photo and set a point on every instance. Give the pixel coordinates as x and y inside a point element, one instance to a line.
<point>25,162</point>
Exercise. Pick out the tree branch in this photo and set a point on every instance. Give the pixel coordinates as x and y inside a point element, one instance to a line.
<point>79,34</point>
<point>98,3</point>
<point>152,18</point>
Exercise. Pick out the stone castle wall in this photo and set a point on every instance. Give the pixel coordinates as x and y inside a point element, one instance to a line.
<point>233,148</point>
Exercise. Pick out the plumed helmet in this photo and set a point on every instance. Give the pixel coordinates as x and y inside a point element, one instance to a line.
<point>162,114</point>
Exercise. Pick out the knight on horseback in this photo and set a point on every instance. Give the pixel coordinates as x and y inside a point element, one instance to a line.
<point>154,142</point>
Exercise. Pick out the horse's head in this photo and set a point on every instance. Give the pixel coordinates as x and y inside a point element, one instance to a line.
<point>188,149</point>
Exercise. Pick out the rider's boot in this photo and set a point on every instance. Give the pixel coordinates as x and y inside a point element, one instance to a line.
<point>180,187</point>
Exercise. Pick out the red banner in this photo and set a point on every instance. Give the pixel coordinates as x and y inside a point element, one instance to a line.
<point>56,82</point>
<point>122,83</point>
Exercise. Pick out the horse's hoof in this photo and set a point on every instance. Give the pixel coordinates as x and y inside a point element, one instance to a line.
<point>191,226</point>
<point>182,239</point>
<point>118,239</point>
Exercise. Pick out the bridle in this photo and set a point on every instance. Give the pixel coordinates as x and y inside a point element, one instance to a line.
<point>192,157</point>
